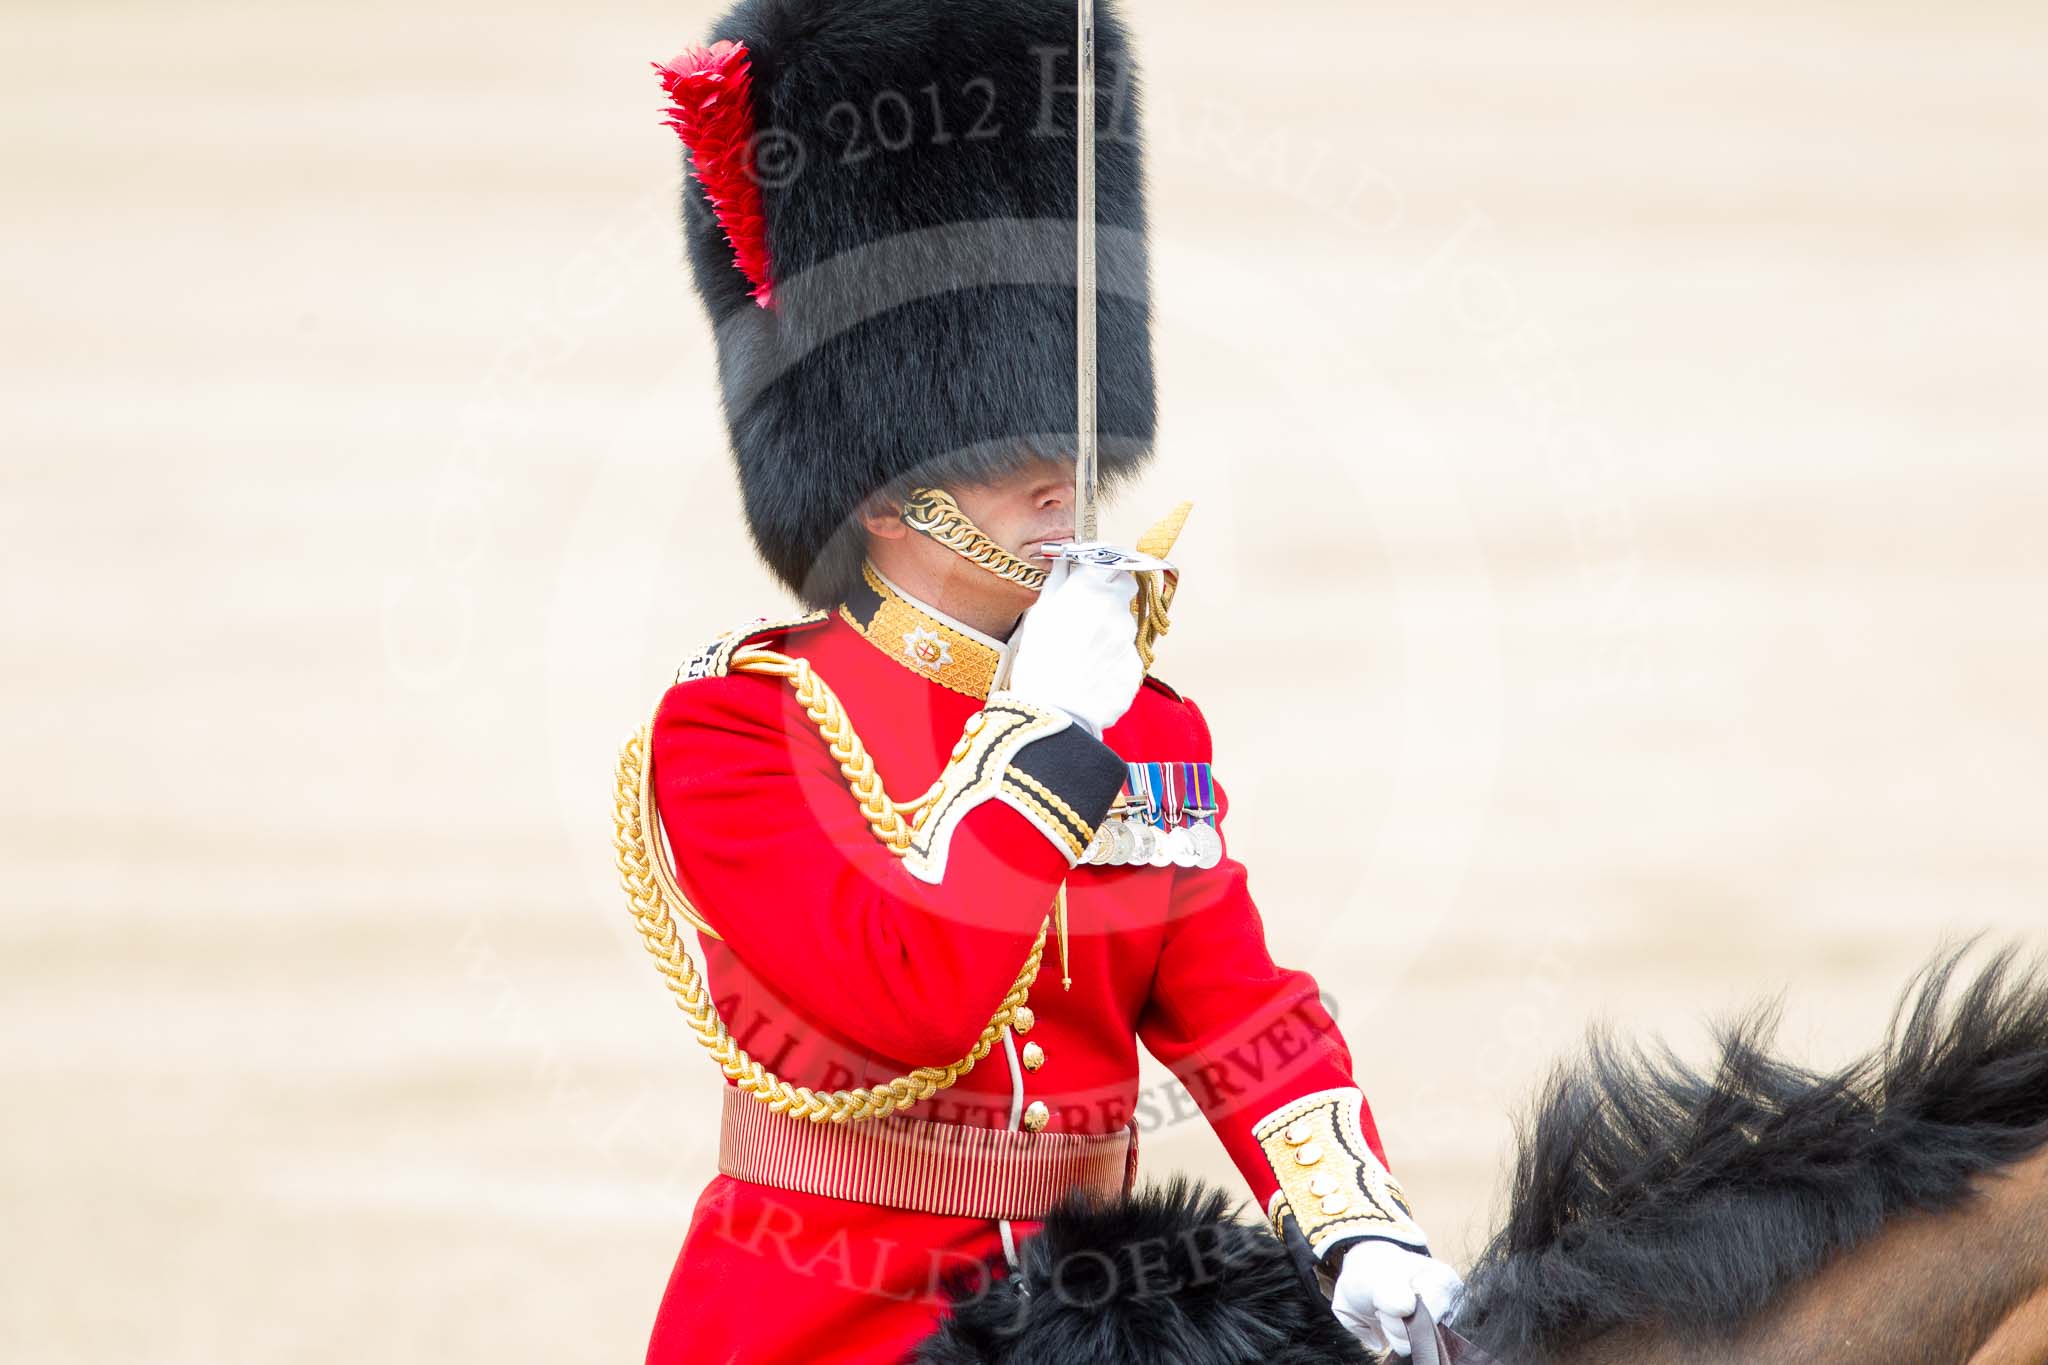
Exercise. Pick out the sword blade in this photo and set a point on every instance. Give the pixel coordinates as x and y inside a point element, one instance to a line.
<point>1084,277</point>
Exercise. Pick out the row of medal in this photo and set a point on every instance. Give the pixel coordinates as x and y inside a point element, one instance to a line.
<point>1165,817</point>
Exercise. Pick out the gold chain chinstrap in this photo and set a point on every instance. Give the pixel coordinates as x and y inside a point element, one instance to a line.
<point>651,888</point>
<point>932,512</point>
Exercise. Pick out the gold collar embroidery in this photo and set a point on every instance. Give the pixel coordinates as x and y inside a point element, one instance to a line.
<point>926,641</point>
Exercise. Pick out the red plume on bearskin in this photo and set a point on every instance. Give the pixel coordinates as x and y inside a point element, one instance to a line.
<point>712,97</point>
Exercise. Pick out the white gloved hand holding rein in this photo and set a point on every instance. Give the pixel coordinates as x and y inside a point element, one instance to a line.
<point>1378,1284</point>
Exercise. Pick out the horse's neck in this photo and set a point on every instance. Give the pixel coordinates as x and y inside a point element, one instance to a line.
<point>1966,1287</point>
<point>1936,1287</point>
<point>2022,1339</point>
<point>1630,1347</point>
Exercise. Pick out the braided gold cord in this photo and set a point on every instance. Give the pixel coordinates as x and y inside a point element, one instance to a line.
<point>1154,596</point>
<point>885,817</point>
<point>1155,589</point>
<point>649,894</point>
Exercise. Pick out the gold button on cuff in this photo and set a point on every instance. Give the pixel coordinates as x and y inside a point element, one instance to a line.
<point>1034,1056</point>
<point>1036,1116</point>
<point>1328,1176</point>
<point>1023,1019</point>
<point>975,722</point>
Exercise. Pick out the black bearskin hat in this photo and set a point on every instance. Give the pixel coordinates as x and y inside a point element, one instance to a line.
<point>1162,1276</point>
<point>879,206</point>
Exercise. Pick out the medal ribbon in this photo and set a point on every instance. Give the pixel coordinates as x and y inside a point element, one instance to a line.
<point>1170,790</point>
<point>1204,788</point>
<point>1141,787</point>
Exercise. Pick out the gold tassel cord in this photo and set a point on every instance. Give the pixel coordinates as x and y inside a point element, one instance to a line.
<point>1154,596</point>
<point>1156,587</point>
<point>651,889</point>
<point>1059,913</point>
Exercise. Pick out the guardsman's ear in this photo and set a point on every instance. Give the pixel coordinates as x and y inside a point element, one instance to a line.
<point>881,516</point>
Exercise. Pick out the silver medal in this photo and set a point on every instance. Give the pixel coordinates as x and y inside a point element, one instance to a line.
<point>1172,805</point>
<point>1143,842</point>
<point>1208,845</point>
<point>1161,854</point>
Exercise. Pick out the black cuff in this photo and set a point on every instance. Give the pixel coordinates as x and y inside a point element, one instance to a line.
<point>1035,759</point>
<point>1334,1257</point>
<point>1074,769</point>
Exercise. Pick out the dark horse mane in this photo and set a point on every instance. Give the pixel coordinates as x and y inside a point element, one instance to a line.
<point>1648,1193</point>
<point>1169,1273</point>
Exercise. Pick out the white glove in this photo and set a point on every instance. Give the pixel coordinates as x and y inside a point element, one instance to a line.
<point>1378,1285</point>
<point>1077,648</point>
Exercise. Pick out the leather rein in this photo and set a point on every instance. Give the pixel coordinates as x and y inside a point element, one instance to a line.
<point>1435,1344</point>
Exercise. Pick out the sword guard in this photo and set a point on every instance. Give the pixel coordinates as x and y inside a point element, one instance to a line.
<point>1104,555</point>
<point>1157,577</point>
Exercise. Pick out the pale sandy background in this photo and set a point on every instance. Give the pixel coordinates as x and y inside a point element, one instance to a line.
<point>1617,440</point>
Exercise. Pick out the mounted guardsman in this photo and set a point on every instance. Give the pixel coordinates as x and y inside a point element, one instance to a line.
<point>929,1008</point>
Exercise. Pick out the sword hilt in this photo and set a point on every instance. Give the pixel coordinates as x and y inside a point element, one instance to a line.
<point>1107,556</point>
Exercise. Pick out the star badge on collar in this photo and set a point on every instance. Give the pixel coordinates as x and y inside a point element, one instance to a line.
<point>927,649</point>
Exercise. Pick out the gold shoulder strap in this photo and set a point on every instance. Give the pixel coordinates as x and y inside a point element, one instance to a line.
<point>651,889</point>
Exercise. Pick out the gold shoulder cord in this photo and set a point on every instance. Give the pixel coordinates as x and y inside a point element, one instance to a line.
<point>651,888</point>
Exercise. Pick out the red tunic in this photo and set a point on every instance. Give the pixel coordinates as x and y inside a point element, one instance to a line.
<point>841,966</point>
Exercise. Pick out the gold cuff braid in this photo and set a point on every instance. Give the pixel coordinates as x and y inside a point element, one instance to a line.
<point>1329,1178</point>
